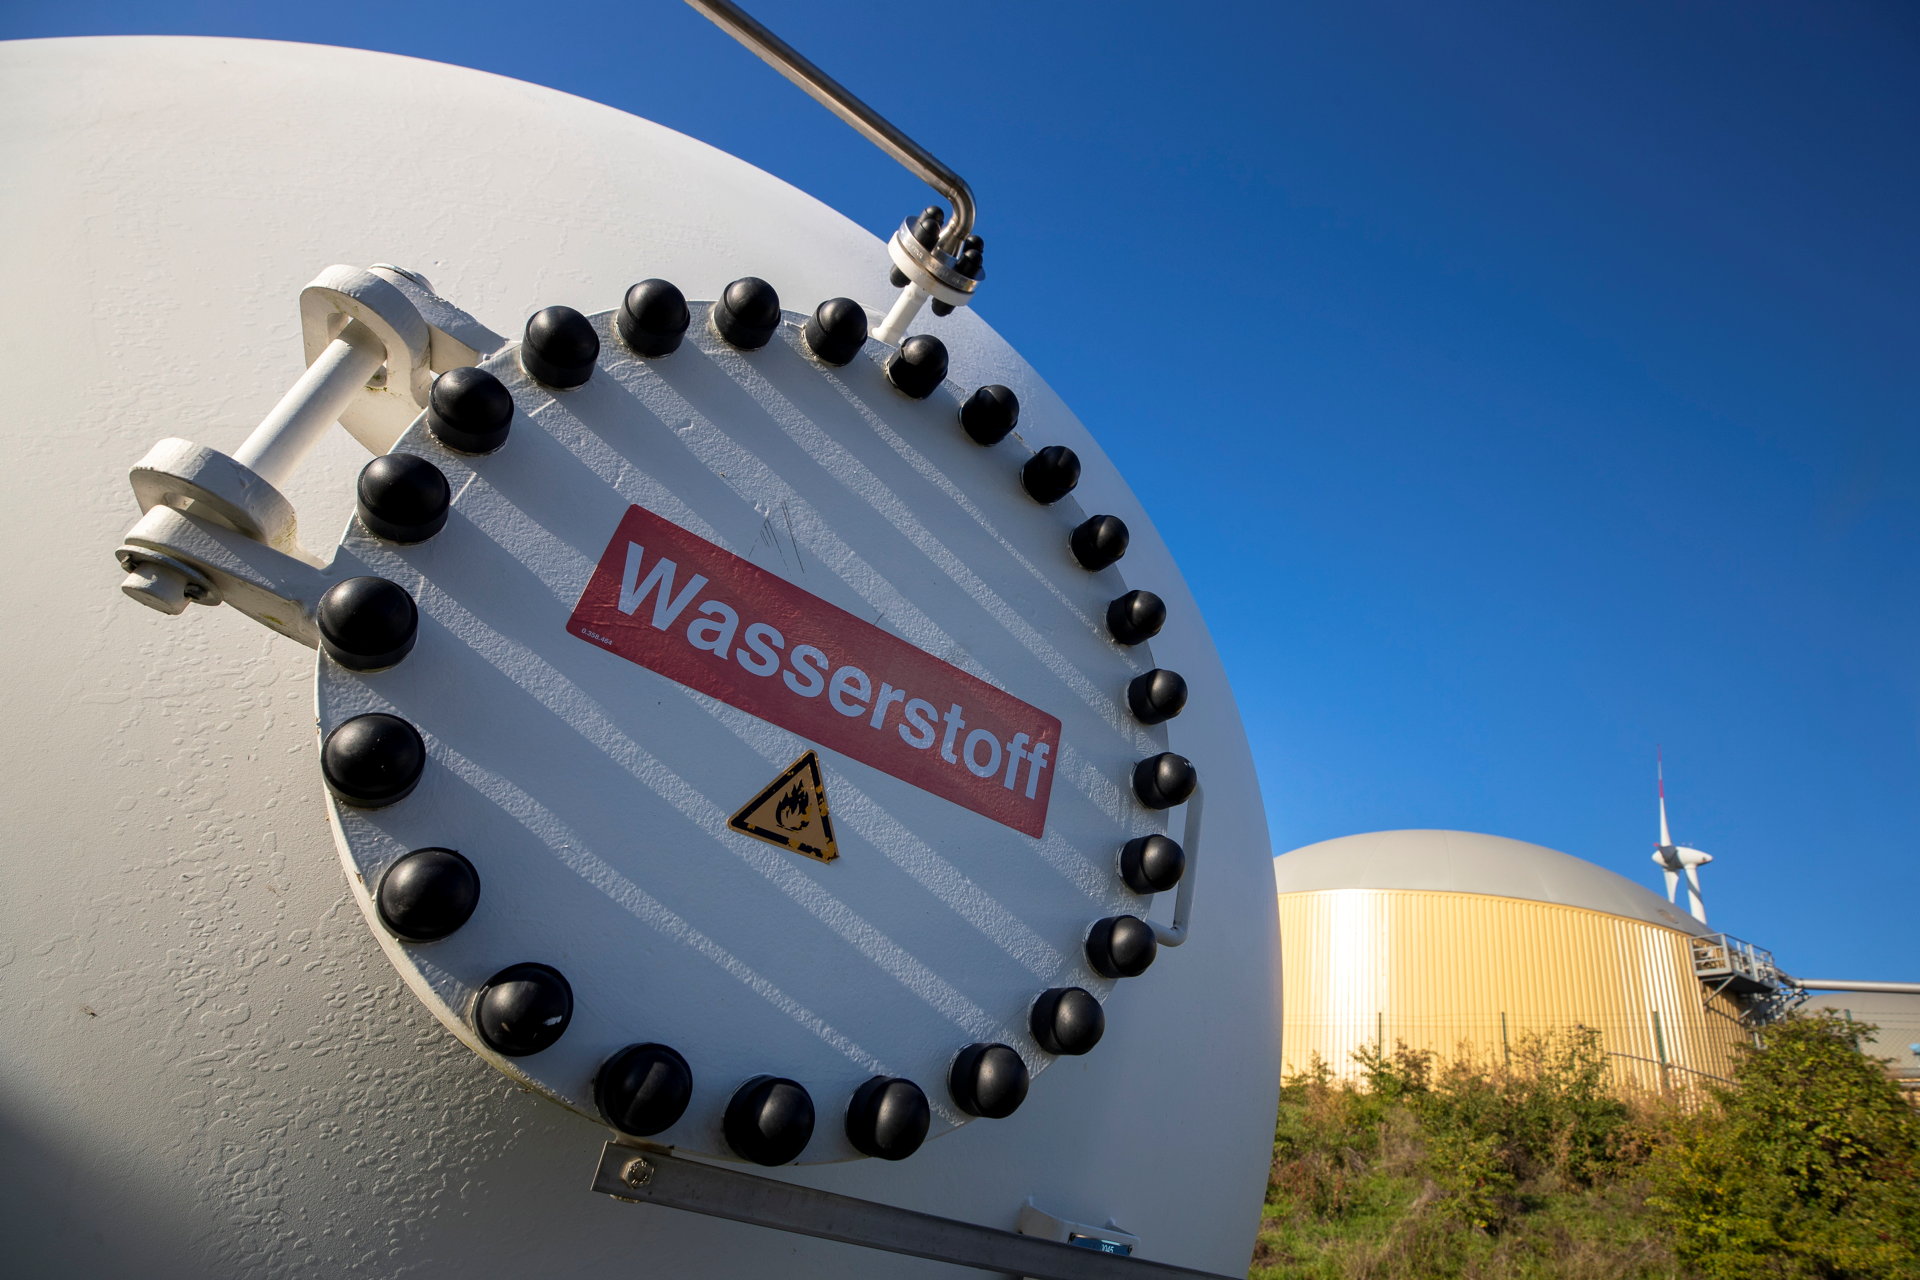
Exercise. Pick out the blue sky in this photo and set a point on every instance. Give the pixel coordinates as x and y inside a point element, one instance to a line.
<point>1521,385</point>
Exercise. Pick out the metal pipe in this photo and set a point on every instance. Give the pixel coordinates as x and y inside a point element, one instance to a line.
<point>870,124</point>
<point>1176,933</point>
<point>1855,984</point>
<point>893,329</point>
<point>312,404</point>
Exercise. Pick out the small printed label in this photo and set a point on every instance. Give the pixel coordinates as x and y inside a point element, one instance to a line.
<point>677,604</point>
<point>791,811</point>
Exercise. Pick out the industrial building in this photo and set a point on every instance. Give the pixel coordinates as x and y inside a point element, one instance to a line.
<point>1468,944</point>
<point>1895,1017</point>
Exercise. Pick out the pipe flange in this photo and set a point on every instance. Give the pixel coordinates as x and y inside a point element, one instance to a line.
<point>193,478</point>
<point>936,273</point>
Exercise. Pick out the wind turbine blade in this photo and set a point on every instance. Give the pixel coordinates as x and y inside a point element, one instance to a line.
<point>1660,775</point>
<point>1673,883</point>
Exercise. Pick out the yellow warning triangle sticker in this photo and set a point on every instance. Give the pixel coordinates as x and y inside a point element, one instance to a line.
<point>792,812</point>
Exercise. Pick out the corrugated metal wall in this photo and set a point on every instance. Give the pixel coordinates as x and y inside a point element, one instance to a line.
<point>1470,974</point>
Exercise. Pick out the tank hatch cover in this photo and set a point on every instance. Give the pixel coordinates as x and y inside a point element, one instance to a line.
<point>684,604</point>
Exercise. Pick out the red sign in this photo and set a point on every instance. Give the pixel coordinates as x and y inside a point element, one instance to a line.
<point>696,613</point>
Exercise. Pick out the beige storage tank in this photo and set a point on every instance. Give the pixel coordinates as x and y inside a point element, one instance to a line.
<point>1467,944</point>
<point>1896,1017</point>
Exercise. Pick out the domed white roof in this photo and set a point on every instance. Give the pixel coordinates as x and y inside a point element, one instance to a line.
<point>1468,862</point>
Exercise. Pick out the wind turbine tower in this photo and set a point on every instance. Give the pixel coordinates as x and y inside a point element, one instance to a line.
<point>1676,858</point>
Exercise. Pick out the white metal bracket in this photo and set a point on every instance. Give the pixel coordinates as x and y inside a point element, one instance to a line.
<point>216,526</point>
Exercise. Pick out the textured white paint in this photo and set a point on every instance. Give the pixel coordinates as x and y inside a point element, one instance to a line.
<point>207,1067</point>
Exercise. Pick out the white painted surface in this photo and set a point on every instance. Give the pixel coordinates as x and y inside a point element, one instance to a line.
<point>594,794</point>
<point>206,1066</point>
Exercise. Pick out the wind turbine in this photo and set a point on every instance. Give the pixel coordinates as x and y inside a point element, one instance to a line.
<point>1675,858</point>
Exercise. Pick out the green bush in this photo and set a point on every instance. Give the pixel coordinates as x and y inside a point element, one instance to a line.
<point>1808,1167</point>
<point>1507,1173</point>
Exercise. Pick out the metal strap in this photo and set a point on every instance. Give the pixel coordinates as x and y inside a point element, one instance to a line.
<point>654,1177</point>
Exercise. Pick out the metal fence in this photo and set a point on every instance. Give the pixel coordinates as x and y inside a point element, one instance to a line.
<point>1639,1052</point>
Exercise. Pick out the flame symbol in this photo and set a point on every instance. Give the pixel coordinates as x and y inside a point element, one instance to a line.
<point>791,813</point>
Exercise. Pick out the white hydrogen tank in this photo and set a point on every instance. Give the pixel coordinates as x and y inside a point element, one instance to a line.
<point>705,770</point>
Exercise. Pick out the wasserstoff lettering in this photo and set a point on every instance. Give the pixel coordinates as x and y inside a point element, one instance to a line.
<point>677,604</point>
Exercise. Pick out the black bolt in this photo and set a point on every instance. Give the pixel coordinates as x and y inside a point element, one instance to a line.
<point>971,264</point>
<point>926,227</point>
<point>769,1121</point>
<point>837,330</point>
<point>1067,1020</point>
<point>1164,781</point>
<point>560,348</point>
<point>920,366</point>
<point>403,497</point>
<point>653,318</point>
<point>367,623</point>
<point>988,1080</point>
<point>1121,946</point>
<point>989,414</point>
<point>373,760</point>
<point>523,1009</point>
<point>1156,696</point>
<point>1050,474</point>
<point>748,313</point>
<point>1136,616</point>
<point>1152,864</point>
<point>888,1118</point>
<point>926,230</point>
<point>1099,541</point>
<point>643,1089</point>
<point>469,410</point>
<point>427,895</point>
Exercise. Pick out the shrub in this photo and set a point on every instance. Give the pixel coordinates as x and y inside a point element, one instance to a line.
<point>1809,1167</point>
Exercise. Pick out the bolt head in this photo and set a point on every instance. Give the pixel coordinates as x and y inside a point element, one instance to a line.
<point>1136,616</point>
<point>1152,864</point>
<point>643,1089</point>
<point>1067,1021</point>
<point>926,227</point>
<point>919,367</point>
<point>836,331</point>
<point>1165,780</point>
<point>373,760</point>
<point>990,414</point>
<point>560,348</point>
<point>523,1009</point>
<point>1157,696</point>
<point>403,498</point>
<point>748,313</point>
<point>653,318</point>
<point>367,623</point>
<point>427,895</point>
<point>1121,946</point>
<point>888,1118</point>
<point>1099,541</point>
<point>469,410</point>
<point>988,1080</point>
<point>1051,474</point>
<point>769,1120</point>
